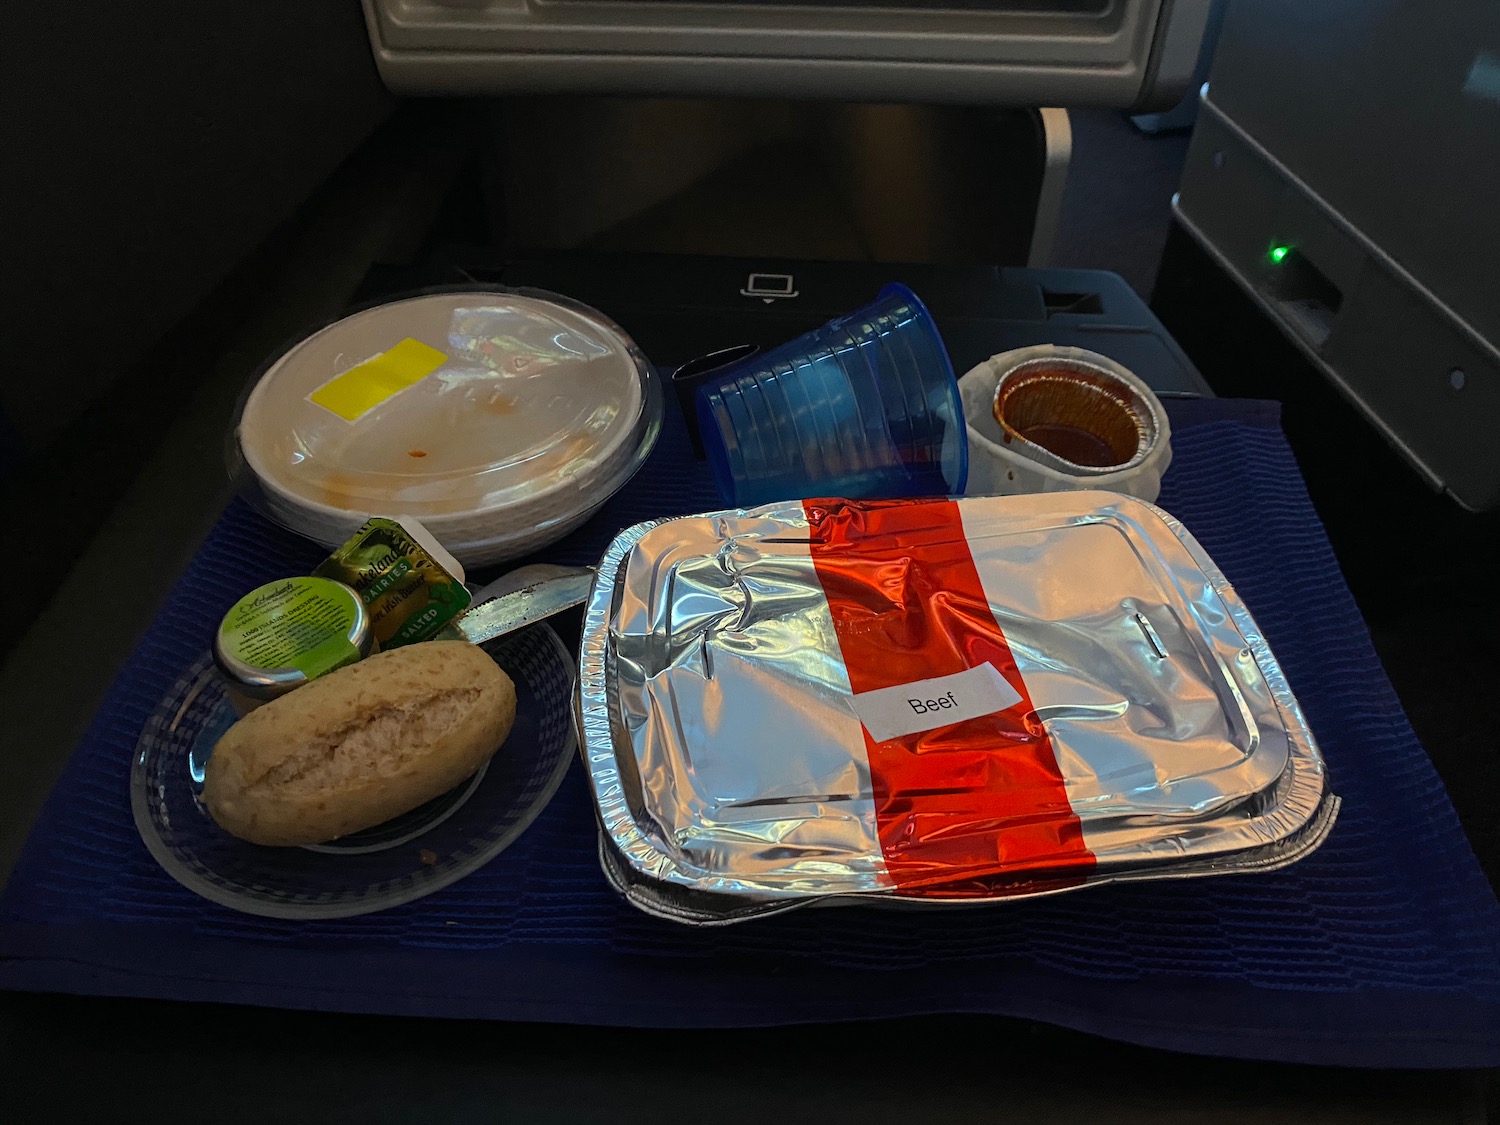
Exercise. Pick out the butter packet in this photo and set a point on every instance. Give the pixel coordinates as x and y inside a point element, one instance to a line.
<point>413,590</point>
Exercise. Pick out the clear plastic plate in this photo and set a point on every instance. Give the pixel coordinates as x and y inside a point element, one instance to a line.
<point>499,418</point>
<point>390,864</point>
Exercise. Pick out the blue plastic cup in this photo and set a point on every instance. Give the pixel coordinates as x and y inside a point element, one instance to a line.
<point>866,406</point>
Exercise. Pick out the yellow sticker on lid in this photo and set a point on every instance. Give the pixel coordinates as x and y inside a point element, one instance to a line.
<point>366,386</point>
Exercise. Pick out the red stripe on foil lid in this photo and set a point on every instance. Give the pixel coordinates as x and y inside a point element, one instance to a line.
<point>971,808</point>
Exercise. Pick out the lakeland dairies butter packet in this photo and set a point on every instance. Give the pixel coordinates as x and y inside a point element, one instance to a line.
<point>413,590</point>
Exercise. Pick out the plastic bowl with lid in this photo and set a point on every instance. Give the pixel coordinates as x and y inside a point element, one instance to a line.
<point>502,419</point>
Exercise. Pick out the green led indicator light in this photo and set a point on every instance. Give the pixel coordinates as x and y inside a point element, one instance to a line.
<point>1278,253</point>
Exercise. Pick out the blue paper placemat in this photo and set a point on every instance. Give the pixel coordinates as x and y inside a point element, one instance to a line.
<point>1382,949</point>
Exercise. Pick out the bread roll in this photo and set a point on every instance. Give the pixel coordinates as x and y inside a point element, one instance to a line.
<point>360,745</point>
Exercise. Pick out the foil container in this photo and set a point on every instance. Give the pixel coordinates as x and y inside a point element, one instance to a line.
<point>1076,416</point>
<point>1047,418</point>
<point>931,703</point>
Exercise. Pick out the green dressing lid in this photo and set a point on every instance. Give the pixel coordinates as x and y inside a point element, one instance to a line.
<point>285,633</point>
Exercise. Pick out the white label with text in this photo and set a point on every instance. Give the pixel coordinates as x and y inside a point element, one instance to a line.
<point>908,708</point>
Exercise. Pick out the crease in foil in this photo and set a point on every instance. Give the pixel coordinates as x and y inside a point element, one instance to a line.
<point>715,710</point>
